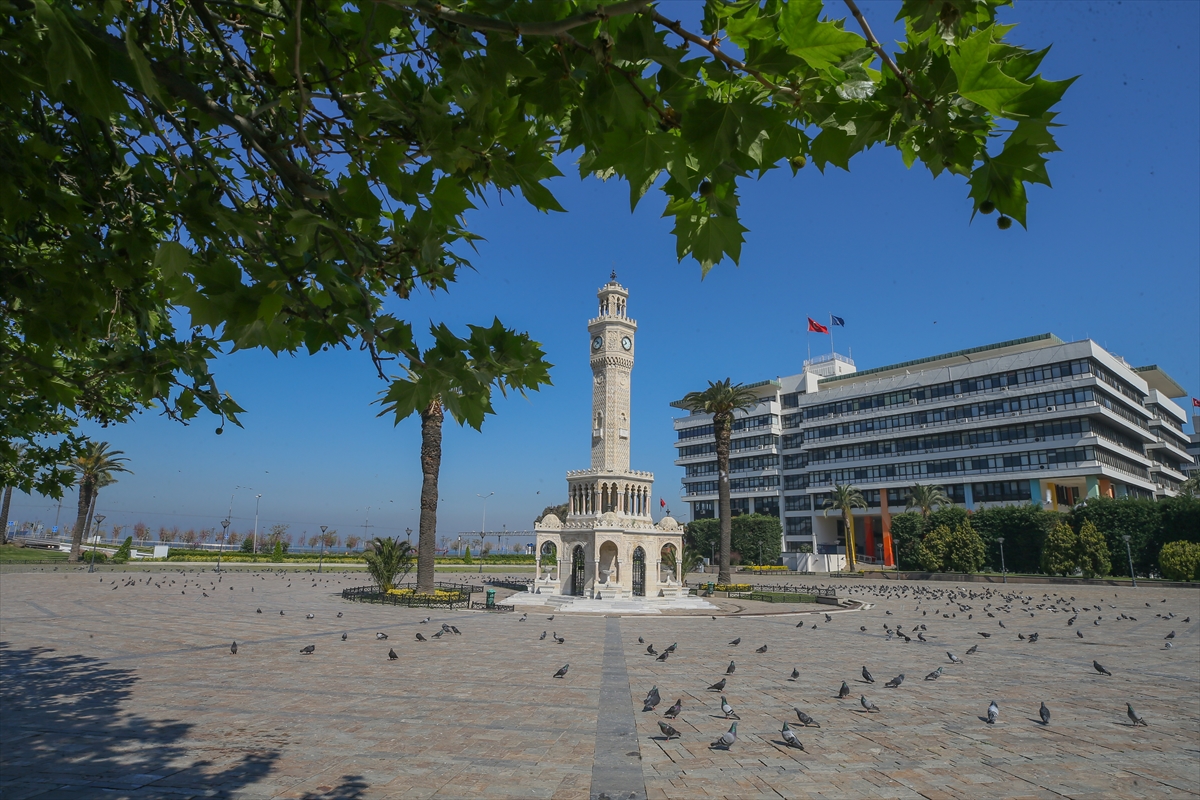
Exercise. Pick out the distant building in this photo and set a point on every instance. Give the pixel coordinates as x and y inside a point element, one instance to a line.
<point>1030,420</point>
<point>1193,448</point>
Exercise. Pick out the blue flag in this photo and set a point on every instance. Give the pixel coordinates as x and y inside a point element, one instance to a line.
<point>837,320</point>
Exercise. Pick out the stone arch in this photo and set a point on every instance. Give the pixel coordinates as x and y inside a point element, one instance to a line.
<point>669,561</point>
<point>609,562</point>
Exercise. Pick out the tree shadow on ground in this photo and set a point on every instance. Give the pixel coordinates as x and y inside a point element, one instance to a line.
<point>64,730</point>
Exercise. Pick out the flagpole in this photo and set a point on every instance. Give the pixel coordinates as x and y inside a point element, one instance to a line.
<point>832,352</point>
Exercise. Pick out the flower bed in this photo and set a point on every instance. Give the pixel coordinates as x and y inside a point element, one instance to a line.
<point>766,568</point>
<point>436,594</point>
<point>732,587</point>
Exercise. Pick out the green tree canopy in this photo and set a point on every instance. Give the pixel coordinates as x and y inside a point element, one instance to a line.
<point>1060,550</point>
<point>1091,551</point>
<point>756,535</point>
<point>187,178</point>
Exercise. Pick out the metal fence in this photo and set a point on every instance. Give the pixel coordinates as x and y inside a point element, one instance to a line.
<point>371,594</point>
<point>785,588</point>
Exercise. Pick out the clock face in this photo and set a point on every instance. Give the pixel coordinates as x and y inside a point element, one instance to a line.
<point>597,343</point>
<point>626,342</point>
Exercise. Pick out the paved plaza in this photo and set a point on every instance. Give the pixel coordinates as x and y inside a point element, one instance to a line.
<point>122,684</point>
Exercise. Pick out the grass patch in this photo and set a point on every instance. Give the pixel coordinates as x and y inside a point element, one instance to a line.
<point>11,554</point>
<point>775,597</point>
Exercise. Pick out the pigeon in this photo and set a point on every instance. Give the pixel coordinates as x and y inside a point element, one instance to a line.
<point>736,641</point>
<point>455,631</point>
<point>1033,637</point>
<point>921,636</point>
<point>727,739</point>
<point>1101,669</point>
<point>557,638</point>
<point>673,711</point>
<point>668,731</point>
<point>992,713</point>
<point>953,658</point>
<point>972,649</point>
<point>641,640</point>
<point>308,651</point>
<point>985,635</point>
<point>523,618</point>
<point>828,618</point>
<point>258,611</point>
<point>844,692</point>
<point>339,616</point>
<point>421,638</point>
<point>1170,635</point>
<point>762,649</point>
<point>795,674</point>
<point>1135,717</point>
<point>718,686</point>
<point>933,676</point>
<point>562,672</point>
<point>650,650</point>
<point>422,622</point>
<point>867,675</point>
<point>1021,636</point>
<point>862,628</point>
<point>1044,713</point>
<point>1079,633</point>
<point>439,634</point>
<point>1167,646</point>
<point>343,636</point>
<point>1002,625</point>
<point>310,616</point>
<point>727,709</point>
<point>543,636</point>
<point>867,704</point>
<point>671,649</point>
<point>445,628</point>
<point>550,618</point>
<point>895,682</point>
<point>805,719</point>
<point>281,614</point>
<point>789,737</point>
<point>731,668</point>
<point>392,654</point>
<point>381,636</point>
<point>799,624</point>
<point>652,699</point>
<point>233,648</point>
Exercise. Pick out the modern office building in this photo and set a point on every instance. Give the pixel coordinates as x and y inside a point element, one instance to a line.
<point>1030,420</point>
<point>1193,448</point>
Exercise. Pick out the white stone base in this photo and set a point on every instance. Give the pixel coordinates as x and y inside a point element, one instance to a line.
<point>569,604</point>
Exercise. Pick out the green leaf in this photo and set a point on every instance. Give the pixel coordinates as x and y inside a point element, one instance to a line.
<point>820,44</point>
<point>141,67</point>
<point>980,79</point>
<point>711,128</point>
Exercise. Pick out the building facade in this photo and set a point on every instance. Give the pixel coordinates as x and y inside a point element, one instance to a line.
<point>1030,420</point>
<point>609,547</point>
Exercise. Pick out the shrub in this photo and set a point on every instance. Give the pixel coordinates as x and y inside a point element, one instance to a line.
<point>946,549</point>
<point>124,551</point>
<point>1091,551</point>
<point>99,557</point>
<point>906,531</point>
<point>467,555</point>
<point>1024,529</point>
<point>1059,550</point>
<point>277,553</point>
<point>1180,561</point>
<point>248,544</point>
<point>928,552</point>
<point>754,533</point>
<point>732,587</point>
<point>388,558</point>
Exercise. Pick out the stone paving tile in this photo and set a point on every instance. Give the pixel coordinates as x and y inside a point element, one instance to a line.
<point>132,692</point>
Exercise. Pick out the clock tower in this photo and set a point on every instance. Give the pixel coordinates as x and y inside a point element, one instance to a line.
<point>611,342</point>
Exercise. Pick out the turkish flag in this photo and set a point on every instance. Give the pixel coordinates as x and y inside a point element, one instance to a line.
<point>662,503</point>
<point>816,327</point>
<point>1196,402</point>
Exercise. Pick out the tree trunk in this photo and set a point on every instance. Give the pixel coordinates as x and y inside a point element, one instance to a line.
<point>84,507</point>
<point>4,515</point>
<point>851,561</point>
<point>431,465</point>
<point>722,433</point>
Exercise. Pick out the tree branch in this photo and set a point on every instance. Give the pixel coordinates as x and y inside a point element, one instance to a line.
<point>548,28</point>
<point>879,51</point>
<point>713,46</point>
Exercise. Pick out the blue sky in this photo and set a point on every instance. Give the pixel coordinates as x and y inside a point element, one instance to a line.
<point>1112,253</point>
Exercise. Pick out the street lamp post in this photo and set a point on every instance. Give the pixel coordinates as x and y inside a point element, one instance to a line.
<point>221,544</point>
<point>321,560</point>
<point>1129,555</point>
<point>95,538</point>
<point>483,528</point>
<point>1003,569</point>
<point>254,547</point>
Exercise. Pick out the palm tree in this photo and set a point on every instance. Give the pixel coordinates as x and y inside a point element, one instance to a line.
<point>844,499</point>
<point>102,480</point>
<point>691,561</point>
<point>722,399</point>
<point>457,377</point>
<point>387,558</point>
<point>97,460</point>
<point>927,498</point>
<point>8,489</point>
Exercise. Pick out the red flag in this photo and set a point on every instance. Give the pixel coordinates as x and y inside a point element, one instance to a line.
<point>1196,402</point>
<point>662,503</point>
<point>816,327</point>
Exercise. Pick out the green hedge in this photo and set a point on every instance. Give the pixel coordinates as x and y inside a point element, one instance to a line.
<point>340,558</point>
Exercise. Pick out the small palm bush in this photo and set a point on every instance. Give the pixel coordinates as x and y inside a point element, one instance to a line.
<point>388,558</point>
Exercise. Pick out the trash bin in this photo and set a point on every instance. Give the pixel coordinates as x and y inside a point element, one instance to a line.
<point>711,587</point>
<point>491,598</point>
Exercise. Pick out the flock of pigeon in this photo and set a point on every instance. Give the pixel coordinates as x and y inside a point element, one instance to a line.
<point>953,603</point>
